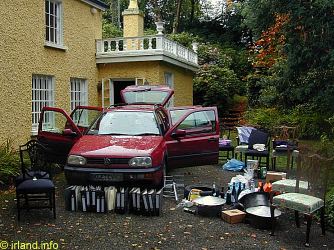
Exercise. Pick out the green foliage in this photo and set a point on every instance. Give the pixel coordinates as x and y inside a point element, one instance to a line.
<point>310,123</point>
<point>9,162</point>
<point>219,80</point>
<point>301,83</point>
<point>216,86</point>
<point>330,207</point>
<point>184,38</point>
<point>109,30</point>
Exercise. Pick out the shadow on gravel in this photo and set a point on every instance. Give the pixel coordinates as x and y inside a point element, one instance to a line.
<point>174,229</point>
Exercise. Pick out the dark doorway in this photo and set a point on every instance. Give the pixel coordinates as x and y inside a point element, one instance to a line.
<point>118,86</point>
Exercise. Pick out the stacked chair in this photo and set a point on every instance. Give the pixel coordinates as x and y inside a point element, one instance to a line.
<point>34,187</point>
<point>285,143</point>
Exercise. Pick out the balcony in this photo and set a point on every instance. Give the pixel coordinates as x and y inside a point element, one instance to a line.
<point>147,48</point>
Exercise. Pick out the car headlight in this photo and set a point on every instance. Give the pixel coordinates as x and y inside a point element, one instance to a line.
<point>140,162</point>
<point>76,160</point>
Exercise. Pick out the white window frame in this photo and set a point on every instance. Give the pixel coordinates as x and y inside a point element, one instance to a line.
<point>169,81</point>
<point>42,94</point>
<point>78,92</point>
<point>56,15</point>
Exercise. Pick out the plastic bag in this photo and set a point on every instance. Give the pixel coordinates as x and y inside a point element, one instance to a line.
<point>234,165</point>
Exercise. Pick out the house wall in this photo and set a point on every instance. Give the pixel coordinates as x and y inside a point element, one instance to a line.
<point>22,29</point>
<point>153,72</point>
<point>183,83</point>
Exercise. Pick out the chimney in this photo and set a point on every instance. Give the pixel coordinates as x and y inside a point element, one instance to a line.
<point>133,20</point>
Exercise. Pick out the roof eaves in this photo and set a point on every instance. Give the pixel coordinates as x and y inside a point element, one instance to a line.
<point>97,4</point>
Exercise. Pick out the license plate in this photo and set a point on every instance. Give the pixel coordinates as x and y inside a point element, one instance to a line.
<point>106,177</point>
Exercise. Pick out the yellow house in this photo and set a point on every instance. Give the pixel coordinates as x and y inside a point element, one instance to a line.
<point>53,54</point>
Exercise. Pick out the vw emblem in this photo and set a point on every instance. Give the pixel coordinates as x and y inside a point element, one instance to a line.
<point>107,161</point>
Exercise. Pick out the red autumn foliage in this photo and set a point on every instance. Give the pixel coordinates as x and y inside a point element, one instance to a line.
<point>268,47</point>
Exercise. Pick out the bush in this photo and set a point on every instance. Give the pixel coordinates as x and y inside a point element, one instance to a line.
<point>311,124</point>
<point>9,163</point>
<point>330,207</point>
<point>110,30</point>
<point>215,86</point>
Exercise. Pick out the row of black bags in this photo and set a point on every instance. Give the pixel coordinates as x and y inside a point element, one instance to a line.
<point>111,199</point>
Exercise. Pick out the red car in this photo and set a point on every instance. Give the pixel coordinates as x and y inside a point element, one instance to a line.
<point>133,142</point>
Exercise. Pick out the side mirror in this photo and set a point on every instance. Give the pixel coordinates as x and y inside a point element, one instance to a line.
<point>178,133</point>
<point>69,132</point>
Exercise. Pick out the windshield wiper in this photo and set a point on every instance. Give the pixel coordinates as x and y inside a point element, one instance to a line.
<point>146,134</point>
<point>114,134</point>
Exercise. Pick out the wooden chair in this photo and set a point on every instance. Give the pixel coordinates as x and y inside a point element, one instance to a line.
<point>225,144</point>
<point>260,138</point>
<point>30,164</point>
<point>34,185</point>
<point>285,143</point>
<point>315,169</point>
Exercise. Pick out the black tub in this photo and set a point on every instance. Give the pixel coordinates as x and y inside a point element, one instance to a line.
<point>257,208</point>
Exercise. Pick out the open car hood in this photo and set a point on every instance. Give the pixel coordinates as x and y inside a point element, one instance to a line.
<point>147,94</point>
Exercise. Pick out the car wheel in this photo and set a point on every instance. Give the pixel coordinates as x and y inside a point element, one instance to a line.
<point>162,181</point>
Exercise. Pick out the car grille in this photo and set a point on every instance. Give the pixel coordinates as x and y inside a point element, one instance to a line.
<point>101,161</point>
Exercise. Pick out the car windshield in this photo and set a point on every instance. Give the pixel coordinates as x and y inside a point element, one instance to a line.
<point>125,123</point>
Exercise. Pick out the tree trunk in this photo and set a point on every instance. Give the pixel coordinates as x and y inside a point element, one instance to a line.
<point>156,10</point>
<point>177,16</point>
<point>192,13</point>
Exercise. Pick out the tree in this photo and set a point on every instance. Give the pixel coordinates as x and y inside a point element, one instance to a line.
<point>177,16</point>
<point>307,52</point>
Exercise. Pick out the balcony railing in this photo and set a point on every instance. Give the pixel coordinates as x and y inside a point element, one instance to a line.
<point>147,45</point>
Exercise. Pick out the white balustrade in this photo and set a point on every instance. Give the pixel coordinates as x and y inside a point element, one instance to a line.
<point>110,46</point>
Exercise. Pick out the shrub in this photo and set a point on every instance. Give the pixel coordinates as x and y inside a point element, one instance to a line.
<point>311,124</point>
<point>216,86</point>
<point>330,207</point>
<point>9,163</point>
<point>110,30</point>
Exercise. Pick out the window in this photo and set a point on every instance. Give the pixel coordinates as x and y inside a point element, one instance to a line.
<point>42,95</point>
<point>204,120</point>
<point>126,123</point>
<point>79,96</point>
<point>53,22</point>
<point>169,81</point>
<point>78,92</point>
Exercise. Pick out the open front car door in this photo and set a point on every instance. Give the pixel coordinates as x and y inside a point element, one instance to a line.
<point>193,138</point>
<point>58,131</point>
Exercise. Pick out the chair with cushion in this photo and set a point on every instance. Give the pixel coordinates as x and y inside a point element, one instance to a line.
<point>258,146</point>
<point>34,188</point>
<point>289,185</point>
<point>242,140</point>
<point>285,143</point>
<point>225,144</point>
<point>315,170</point>
<point>30,166</point>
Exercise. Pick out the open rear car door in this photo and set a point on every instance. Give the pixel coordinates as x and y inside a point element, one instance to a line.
<point>58,131</point>
<point>193,138</point>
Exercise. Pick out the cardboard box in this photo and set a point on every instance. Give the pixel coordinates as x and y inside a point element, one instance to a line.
<point>233,216</point>
<point>273,176</point>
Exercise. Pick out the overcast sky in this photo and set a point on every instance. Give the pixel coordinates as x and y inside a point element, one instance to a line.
<point>216,7</point>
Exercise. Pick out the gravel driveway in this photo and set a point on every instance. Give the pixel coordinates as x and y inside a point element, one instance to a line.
<point>174,229</point>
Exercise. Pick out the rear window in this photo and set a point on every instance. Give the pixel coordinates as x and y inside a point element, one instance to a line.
<point>150,97</point>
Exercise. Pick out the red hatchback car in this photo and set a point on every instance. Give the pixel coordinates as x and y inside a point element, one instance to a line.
<point>133,142</point>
